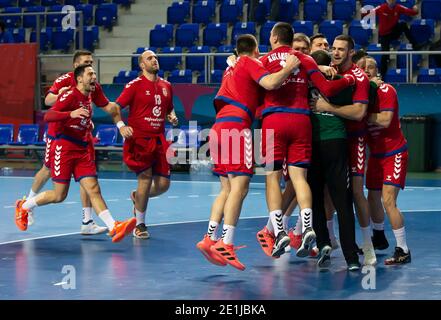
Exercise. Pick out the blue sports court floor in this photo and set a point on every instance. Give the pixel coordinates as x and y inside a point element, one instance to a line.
<point>168,266</point>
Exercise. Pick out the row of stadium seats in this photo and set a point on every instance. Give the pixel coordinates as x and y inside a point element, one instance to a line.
<point>46,3</point>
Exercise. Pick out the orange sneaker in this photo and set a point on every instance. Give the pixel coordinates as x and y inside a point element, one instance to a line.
<point>122,229</point>
<point>266,241</point>
<point>296,240</point>
<point>227,253</point>
<point>21,215</point>
<point>204,246</point>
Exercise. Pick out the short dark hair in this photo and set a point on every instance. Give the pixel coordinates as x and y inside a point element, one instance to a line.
<point>80,53</point>
<point>246,44</point>
<point>302,37</point>
<point>322,57</point>
<point>348,39</point>
<point>317,36</point>
<point>79,71</point>
<point>361,53</point>
<point>284,32</point>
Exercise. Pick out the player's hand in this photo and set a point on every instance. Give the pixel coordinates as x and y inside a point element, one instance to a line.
<point>292,62</point>
<point>322,105</point>
<point>231,60</point>
<point>328,71</point>
<point>126,132</point>
<point>415,8</point>
<point>173,119</point>
<point>377,81</point>
<point>350,78</point>
<point>80,113</point>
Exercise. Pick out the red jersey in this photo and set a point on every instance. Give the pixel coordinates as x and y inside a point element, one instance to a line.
<point>75,130</point>
<point>150,102</point>
<point>388,16</point>
<point>360,95</point>
<point>240,93</point>
<point>68,80</point>
<point>384,142</point>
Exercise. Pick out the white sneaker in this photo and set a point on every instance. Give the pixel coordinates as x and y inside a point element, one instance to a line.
<point>288,249</point>
<point>92,228</point>
<point>335,244</point>
<point>31,219</point>
<point>370,258</point>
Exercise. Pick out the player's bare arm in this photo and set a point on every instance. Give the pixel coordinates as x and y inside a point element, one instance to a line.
<point>382,119</point>
<point>355,111</point>
<point>51,98</point>
<point>274,81</point>
<point>328,71</point>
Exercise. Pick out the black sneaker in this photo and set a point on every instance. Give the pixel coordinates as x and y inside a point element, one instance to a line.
<point>324,258</point>
<point>354,266</point>
<point>282,241</point>
<point>399,257</point>
<point>308,239</point>
<point>379,240</point>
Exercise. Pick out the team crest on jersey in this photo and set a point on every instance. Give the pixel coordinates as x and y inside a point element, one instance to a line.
<point>164,92</point>
<point>157,111</point>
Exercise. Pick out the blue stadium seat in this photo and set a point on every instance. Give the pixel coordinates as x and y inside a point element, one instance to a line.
<point>170,63</point>
<point>265,32</point>
<point>124,3</point>
<point>220,61</point>
<point>19,35</point>
<point>6,133</point>
<point>422,30</point>
<point>331,29</point>
<point>204,11</point>
<point>106,15</point>
<point>429,75</point>
<point>90,37</point>
<point>49,3</point>
<point>343,10</point>
<point>361,35</point>
<point>28,3</point>
<point>315,10</point>
<point>263,48</point>
<point>396,75</point>
<point>7,3</point>
<point>187,35</point>
<point>180,76</point>
<point>401,59</point>
<point>27,134</point>
<point>12,21</point>
<point>87,10</point>
<point>231,11</point>
<point>124,76</point>
<point>106,134</point>
<point>135,65</point>
<point>306,27</point>
<point>216,76</point>
<point>31,21</point>
<point>45,38</point>
<point>178,12</point>
<point>97,1</point>
<point>42,140</point>
<point>242,28</point>
<point>161,35</point>
<point>261,11</point>
<point>62,39</point>
<point>201,78</point>
<point>373,3</point>
<point>431,9</point>
<point>288,10</point>
<point>72,2</point>
<point>375,47</point>
<point>196,63</point>
<point>54,20</point>
<point>215,34</point>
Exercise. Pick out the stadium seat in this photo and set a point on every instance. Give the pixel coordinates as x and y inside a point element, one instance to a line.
<point>231,11</point>
<point>264,48</point>
<point>28,3</point>
<point>220,61</point>
<point>242,28</point>
<point>50,3</point>
<point>422,30</point>
<point>375,47</point>
<point>42,140</point>
<point>216,76</point>
<point>215,34</point>
<point>106,135</point>
<point>125,3</point>
<point>180,76</point>
<point>201,78</point>
<point>6,133</point>
<point>187,35</point>
<point>396,76</point>
<point>161,35</point>
<point>265,32</point>
<point>31,21</point>
<point>343,10</point>
<point>135,65</point>
<point>196,63</point>
<point>361,35</point>
<point>429,75</point>
<point>72,2</point>
<point>106,15</point>
<point>90,37</point>
<point>62,39</point>
<point>19,35</point>
<point>95,2</point>
<point>170,63</point>
<point>124,76</point>
<point>204,11</point>
<point>87,10</point>
<point>45,38</point>
<point>373,3</point>
<point>401,59</point>
<point>12,21</point>
<point>431,9</point>
<point>54,20</point>
<point>27,134</point>
<point>178,12</point>
<point>331,29</point>
<point>306,27</point>
<point>7,3</point>
<point>289,9</point>
<point>261,11</point>
<point>315,10</point>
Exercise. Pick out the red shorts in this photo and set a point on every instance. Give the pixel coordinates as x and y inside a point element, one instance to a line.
<point>141,154</point>
<point>357,155</point>
<point>69,158</point>
<point>292,138</point>
<point>231,148</point>
<point>390,170</point>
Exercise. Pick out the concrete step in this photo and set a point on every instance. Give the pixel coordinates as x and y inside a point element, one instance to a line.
<point>128,32</point>
<point>122,43</point>
<point>141,20</point>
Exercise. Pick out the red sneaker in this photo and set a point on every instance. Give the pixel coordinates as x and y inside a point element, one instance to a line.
<point>296,240</point>
<point>21,215</point>
<point>204,246</point>
<point>266,241</point>
<point>227,253</point>
<point>121,229</point>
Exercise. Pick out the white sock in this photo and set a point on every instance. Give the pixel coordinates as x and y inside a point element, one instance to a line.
<point>378,226</point>
<point>306,215</point>
<point>212,229</point>
<point>140,217</point>
<point>31,194</point>
<point>87,214</point>
<point>330,225</point>
<point>298,228</point>
<point>228,234</point>
<point>400,236</point>
<point>366,233</point>
<point>269,225</point>
<point>107,218</point>
<point>276,217</point>
<point>285,223</point>
<point>30,204</point>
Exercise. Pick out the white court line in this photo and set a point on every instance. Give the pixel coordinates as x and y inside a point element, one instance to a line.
<point>70,202</point>
<point>42,237</point>
<point>112,200</point>
<point>193,196</point>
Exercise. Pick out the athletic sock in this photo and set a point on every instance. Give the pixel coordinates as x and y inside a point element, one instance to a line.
<point>31,194</point>
<point>30,204</point>
<point>87,214</point>
<point>366,233</point>
<point>107,218</point>
<point>378,226</point>
<point>140,217</point>
<point>212,230</point>
<point>228,234</point>
<point>306,215</point>
<point>400,236</point>
<point>269,225</point>
<point>277,221</point>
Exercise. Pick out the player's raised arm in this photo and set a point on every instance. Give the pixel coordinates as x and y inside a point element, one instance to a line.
<point>275,80</point>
